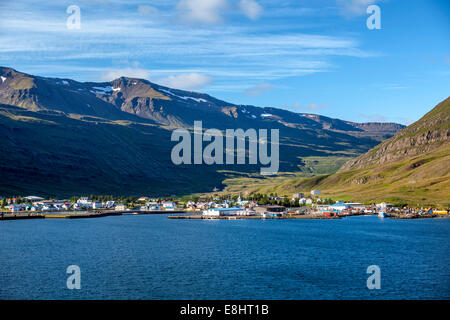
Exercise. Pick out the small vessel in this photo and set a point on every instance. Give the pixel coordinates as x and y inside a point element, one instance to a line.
<point>382,214</point>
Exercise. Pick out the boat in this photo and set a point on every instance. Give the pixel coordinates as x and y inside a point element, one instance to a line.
<point>382,214</point>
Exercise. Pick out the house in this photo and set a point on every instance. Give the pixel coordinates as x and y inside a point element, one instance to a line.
<point>190,204</point>
<point>121,207</point>
<point>309,201</point>
<point>48,207</point>
<point>261,210</point>
<point>302,201</point>
<point>357,205</point>
<point>16,207</point>
<point>383,206</point>
<point>66,206</point>
<point>153,206</point>
<point>315,192</point>
<point>221,212</point>
<point>97,205</point>
<point>169,205</point>
<point>143,199</point>
<point>85,202</point>
<point>110,204</point>
<point>78,206</point>
<point>339,206</point>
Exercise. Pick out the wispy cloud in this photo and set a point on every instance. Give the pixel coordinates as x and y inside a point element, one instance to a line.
<point>189,81</point>
<point>354,7</point>
<point>236,56</point>
<point>126,72</point>
<point>250,8</point>
<point>201,11</point>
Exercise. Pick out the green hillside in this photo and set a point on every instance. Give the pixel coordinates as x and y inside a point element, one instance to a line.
<point>412,167</point>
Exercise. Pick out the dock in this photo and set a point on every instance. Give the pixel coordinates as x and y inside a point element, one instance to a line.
<point>79,214</point>
<point>255,217</point>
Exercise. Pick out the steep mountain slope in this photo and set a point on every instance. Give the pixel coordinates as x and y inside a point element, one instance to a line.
<point>412,167</point>
<point>63,137</point>
<point>425,135</point>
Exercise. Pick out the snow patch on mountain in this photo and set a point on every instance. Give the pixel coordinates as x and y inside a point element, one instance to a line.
<point>102,90</point>
<point>3,78</point>
<point>184,97</point>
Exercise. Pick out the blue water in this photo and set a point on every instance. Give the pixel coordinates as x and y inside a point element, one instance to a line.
<point>152,257</point>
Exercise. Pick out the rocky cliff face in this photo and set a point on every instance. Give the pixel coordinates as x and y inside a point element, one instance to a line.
<point>425,135</point>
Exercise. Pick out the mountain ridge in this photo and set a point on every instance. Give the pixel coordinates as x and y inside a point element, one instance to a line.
<point>114,137</point>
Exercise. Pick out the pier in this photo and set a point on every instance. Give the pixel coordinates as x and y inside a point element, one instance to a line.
<point>79,214</point>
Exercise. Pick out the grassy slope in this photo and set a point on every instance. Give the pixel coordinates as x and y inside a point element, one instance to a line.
<point>420,178</point>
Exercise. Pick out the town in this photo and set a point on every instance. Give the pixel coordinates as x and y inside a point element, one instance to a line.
<point>299,206</point>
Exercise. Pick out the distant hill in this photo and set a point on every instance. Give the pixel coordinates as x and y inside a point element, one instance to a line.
<point>412,167</point>
<point>61,137</point>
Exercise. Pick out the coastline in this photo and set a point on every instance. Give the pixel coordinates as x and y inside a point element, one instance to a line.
<point>188,215</point>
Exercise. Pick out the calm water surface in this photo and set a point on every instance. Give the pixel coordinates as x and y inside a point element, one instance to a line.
<point>152,257</point>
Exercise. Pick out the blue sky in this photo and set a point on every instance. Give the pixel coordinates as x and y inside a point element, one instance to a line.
<point>314,56</point>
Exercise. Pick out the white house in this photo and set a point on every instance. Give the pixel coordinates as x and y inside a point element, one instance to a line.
<point>85,202</point>
<point>339,206</point>
<point>97,205</point>
<point>302,201</point>
<point>110,204</point>
<point>315,192</point>
<point>169,205</point>
<point>121,207</point>
<point>309,201</point>
<point>384,205</point>
<point>357,205</point>
<point>220,212</point>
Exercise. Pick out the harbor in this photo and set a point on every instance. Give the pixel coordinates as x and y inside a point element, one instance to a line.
<point>273,207</point>
<point>78,214</point>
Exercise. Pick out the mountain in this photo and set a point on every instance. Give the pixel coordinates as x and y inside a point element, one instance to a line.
<point>62,137</point>
<point>412,167</point>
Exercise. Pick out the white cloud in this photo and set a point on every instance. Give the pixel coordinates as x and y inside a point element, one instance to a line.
<point>126,72</point>
<point>186,81</point>
<point>250,8</point>
<point>202,11</point>
<point>259,89</point>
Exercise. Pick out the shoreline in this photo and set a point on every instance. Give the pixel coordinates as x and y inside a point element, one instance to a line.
<point>189,215</point>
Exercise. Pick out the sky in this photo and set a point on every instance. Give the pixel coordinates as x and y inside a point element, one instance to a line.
<point>312,56</point>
